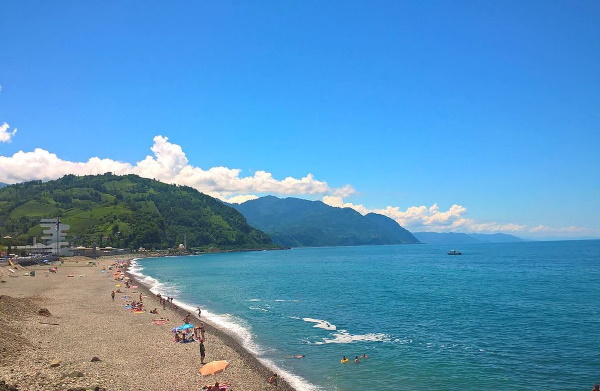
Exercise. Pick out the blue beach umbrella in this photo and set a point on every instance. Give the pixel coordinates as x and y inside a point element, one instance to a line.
<point>185,327</point>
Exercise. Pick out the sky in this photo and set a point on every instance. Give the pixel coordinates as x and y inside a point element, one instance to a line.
<point>447,116</point>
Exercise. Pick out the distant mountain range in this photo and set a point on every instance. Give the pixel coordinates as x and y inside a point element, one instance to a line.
<point>2,185</point>
<point>464,238</point>
<point>296,222</point>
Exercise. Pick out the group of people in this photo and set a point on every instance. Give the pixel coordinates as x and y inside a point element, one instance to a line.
<point>183,336</point>
<point>163,301</point>
<point>216,387</point>
<point>356,359</point>
<point>197,333</point>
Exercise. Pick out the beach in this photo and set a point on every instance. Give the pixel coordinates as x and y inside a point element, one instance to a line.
<point>66,333</point>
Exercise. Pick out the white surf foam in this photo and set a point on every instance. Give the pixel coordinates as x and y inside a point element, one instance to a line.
<point>232,325</point>
<point>258,309</point>
<point>322,324</point>
<point>135,268</point>
<point>343,337</point>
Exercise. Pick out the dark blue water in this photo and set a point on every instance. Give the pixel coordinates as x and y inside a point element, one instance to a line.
<point>516,316</point>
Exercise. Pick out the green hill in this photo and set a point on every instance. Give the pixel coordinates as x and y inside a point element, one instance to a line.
<point>125,212</point>
<point>295,222</point>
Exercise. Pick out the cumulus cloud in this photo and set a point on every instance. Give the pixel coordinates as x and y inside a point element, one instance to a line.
<point>423,218</point>
<point>169,164</point>
<point>5,134</point>
<point>240,199</point>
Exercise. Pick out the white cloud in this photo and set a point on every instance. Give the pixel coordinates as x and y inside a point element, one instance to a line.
<point>5,134</point>
<point>240,199</point>
<point>422,218</point>
<point>168,164</point>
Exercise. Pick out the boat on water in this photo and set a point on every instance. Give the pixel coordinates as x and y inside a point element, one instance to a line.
<point>454,252</point>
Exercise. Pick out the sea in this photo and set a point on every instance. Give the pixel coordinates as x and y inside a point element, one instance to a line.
<point>508,316</point>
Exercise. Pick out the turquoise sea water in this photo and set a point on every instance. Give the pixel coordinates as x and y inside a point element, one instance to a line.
<point>518,316</point>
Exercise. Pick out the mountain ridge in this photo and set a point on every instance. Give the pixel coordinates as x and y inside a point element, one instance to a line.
<point>295,222</point>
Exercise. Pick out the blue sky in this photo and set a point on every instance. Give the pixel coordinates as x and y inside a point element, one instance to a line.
<point>446,116</point>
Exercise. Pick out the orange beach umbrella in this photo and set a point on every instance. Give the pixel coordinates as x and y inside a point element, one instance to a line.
<point>214,367</point>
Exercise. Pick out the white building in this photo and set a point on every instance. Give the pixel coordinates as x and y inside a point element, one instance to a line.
<point>55,234</point>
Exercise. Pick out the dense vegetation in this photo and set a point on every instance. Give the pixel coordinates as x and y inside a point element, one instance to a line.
<point>125,212</point>
<point>295,222</point>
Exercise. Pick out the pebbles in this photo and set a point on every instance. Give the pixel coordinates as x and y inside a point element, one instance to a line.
<point>82,324</point>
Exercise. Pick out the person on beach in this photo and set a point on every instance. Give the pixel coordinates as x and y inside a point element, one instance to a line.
<point>199,311</point>
<point>112,295</point>
<point>273,379</point>
<point>140,297</point>
<point>216,387</point>
<point>202,331</point>
<point>186,320</point>
<point>596,387</point>
<point>202,352</point>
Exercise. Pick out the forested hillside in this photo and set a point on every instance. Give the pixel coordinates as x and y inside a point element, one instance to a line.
<point>295,222</point>
<point>125,211</point>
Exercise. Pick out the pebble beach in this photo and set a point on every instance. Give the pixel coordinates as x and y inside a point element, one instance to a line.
<point>66,333</point>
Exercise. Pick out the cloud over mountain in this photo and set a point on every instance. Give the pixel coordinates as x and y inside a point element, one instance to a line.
<point>422,218</point>
<point>168,164</point>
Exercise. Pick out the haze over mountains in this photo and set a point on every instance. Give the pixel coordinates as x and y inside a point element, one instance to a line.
<point>296,222</point>
<point>463,238</point>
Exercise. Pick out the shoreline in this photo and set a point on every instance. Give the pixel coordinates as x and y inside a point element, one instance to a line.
<point>223,335</point>
<point>82,322</point>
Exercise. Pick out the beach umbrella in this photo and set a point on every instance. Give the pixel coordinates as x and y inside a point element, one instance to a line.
<point>214,367</point>
<point>185,327</point>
